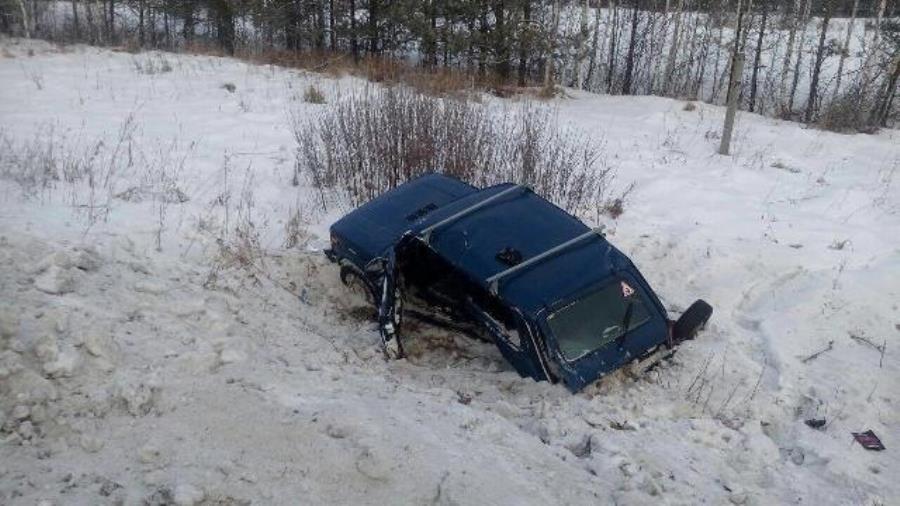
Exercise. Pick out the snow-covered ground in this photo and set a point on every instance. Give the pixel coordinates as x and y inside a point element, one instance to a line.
<point>146,356</point>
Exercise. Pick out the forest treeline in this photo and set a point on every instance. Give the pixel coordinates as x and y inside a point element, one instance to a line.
<point>832,62</point>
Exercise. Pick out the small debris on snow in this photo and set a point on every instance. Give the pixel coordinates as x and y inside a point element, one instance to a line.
<point>94,345</point>
<point>149,454</point>
<point>188,495</point>
<point>797,455</point>
<point>868,440</point>
<point>838,245</point>
<point>21,412</point>
<point>815,423</point>
<point>231,356</point>
<point>55,281</point>
<point>91,444</point>
<point>149,287</point>
<point>63,366</point>
<point>138,396</point>
<point>26,430</point>
<point>626,425</point>
<point>9,325</point>
<point>107,486</point>
<point>738,498</point>
<point>86,259</point>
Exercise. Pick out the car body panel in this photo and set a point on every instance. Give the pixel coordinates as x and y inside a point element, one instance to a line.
<point>377,225</point>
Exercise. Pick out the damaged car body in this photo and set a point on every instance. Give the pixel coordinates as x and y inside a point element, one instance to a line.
<point>560,302</point>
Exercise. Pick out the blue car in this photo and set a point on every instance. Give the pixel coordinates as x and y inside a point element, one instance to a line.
<point>560,302</point>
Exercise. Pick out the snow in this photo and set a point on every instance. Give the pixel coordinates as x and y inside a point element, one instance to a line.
<point>140,361</point>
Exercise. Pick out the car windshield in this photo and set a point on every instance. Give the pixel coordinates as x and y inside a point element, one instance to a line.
<point>597,319</point>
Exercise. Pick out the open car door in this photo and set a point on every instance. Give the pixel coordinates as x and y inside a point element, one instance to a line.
<point>515,341</point>
<point>390,307</point>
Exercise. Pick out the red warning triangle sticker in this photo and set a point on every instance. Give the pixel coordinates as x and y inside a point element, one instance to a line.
<point>627,291</point>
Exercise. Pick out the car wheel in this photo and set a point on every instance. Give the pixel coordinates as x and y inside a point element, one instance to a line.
<point>692,321</point>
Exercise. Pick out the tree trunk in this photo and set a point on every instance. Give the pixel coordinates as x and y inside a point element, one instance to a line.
<point>75,27</point>
<point>673,50</point>
<point>433,33</point>
<point>890,91</point>
<point>658,43</point>
<point>354,41</point>
<point>786,62</point>
<point>593,60</point>
<point>734,84</point>
<point>581,45</point>
<point>714,93</point>
<point>188,27</point>
<point>141,23</point>
<point>166,31</point>
<point>224,25</point>
<point>151,13</point>
<point>112,21</point>
<point>629,59</point>
<point>796,77</point>
<point>524,41</point>
<point>25,24</point>
<point>866,71</point>
<point>373,26</point>
<point>332,36</point>
<point>817,68</point>
<point>613,41</point>
<point>548,63</point>
<point>845,50</point>
<point>758,56</point>
<point>89,17</point>
<point>501,49</point>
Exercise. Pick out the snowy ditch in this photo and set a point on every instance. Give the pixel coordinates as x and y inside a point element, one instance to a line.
<point>148,356</point>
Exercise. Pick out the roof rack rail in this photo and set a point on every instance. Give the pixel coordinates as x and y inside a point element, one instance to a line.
<point>494,281</point>
<point>426,233</point>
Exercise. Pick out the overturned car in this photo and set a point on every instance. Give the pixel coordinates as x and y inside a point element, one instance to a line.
<point>560,302</point>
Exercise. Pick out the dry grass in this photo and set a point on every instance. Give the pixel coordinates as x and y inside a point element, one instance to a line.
<point>438,81</point>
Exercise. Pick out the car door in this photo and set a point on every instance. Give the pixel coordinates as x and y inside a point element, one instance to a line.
<point>509,332</point>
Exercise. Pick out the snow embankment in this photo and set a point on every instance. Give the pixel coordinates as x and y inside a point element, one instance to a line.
<point>159,343</point>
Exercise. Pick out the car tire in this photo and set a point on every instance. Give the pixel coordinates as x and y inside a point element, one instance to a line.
<point>692,321</point>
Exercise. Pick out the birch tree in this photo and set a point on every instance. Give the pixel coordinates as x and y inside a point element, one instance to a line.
<point>845,50</point>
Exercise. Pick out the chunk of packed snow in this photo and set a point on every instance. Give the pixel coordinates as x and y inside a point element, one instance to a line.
<point>55,280</point>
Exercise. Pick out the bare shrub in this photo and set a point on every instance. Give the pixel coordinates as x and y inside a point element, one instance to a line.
<point>151,65</point>
<point>312,95</point>
<point>844,114</point>
<point>295,234</point>
<point>230,87</point>
<point>238,240</point>
<point>371,141</point>
<point>615,206</point>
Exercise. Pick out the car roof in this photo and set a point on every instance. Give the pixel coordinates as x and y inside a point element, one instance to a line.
<point>526,222</point>
<point>519,220</point>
